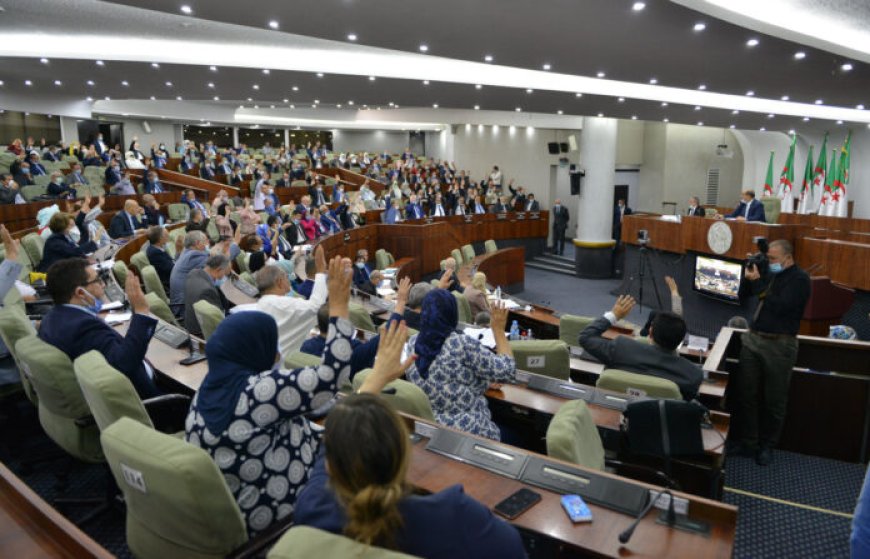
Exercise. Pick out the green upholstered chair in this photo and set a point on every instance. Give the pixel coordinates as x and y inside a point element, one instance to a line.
<point>248,277</point>
<point>463,307</point>
<point>457,255</point>
<point>570,326</point>
<point>32,191</point>
<point>654,387</point>
<point>772,208</point>
<point>383,259</point>
<point>160,309</point>
<point>178,504</point>
<point>62,408</point>
<point>544,357</point>
<point>152,282</point>
<point>468,254</point>
<point>408,397</point>
<point>361,318</point>
<point>109,394</point>
<point>120,270</point>
<point>140,260</point>
<point>33,243</point>
<point>298,359</point>
<point>304,542</point>
<point>208,316</point>
<point>573,437</point>
<point>212,231</point>
<point>14,325</point>
<point>242,261</point>
<point>179,212</point>
<point>490,246</point>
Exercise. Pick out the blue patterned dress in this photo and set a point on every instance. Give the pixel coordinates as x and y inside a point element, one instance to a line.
<point>268,449</point>
<point>457,381</point>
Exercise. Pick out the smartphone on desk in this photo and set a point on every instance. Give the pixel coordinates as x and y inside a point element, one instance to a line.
<point>517,504</point>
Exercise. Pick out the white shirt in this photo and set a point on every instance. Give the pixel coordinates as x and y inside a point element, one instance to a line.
<point>295,317</point>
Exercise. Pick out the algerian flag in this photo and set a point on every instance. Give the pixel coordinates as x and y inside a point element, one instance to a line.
<point>806,199</point>
<point>828,201</point>
<point>768,182</point>
<point>843,176</point>
<point>786,180</point>
<point>819,178</point>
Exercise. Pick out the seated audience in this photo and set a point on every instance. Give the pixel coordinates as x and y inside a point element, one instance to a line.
<point>194,256</point>
<point>151,183</point>
<point>659,359</point>
<point>152,214</point>
<point>455,370</point>
<point>476,294</point>
<point>362,270</point>
<point>203,284</point>
<point>23,177</point>
<point>197,221</point>
<point>10,193</point>
<point>158,238</point>
<point>57,187</point>
<point>126,222</point>
<point>75,176</point>
<point>451,275</point>
<point>279,441</point>
<point>69,239</point>
<point>74,326</point>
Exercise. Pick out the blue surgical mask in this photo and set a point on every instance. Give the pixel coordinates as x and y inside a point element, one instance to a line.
<point>97,304</point>
<point>220,281</point>
<point>25,170</point>
<point>360,265</point>
<point>775,267</point>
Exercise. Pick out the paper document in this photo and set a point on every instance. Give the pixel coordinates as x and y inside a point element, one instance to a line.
<point>698,343</point>
<point>118,318</point>
<point>112,305</point>
<point>483,335</point>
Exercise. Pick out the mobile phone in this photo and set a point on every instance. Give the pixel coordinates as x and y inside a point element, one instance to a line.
<point>517,504</point>
<point>576,508</point>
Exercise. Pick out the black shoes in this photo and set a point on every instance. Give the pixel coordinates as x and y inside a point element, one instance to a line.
<point>764,456</point>
<point>737,448</point>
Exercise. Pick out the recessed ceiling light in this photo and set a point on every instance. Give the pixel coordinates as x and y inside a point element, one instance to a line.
<point>286,100</point>
<point>700,123</point>
<point>785,97</point>
<point>638,6</point>
<point>750,93</point>
<point>250,99</point>
<point>213,68</point>
<point>168,84</point>
<point>338,106</point>
<point>424,48</point>
<point>621,100</point>
<point>271,106</point>
<point>100,63</point>
<point>153,98</point>
<point>295,88</point>
<point>752,43</point>
<point>578,95</point>
<point>800,55</point>
<point>435,106</point>
<point>58,82</point>
<point>653,81</point>
<point>518,109</point>
<point>319,74</point>
<point>702,87</point>
<point>530,91</point>
<point>266,71</point>
<point>600,74</point>
<point>771,115</point>
<point>89,98</point>
<point>125,83</point>
<point>546,67</point>
<point>735,112</point>
<point>392,104</point>
<point>155,65</point>
<point>372,78</point>
<point>477,107</point>
<point>697,107</point>
<point>107,98</point>
<point>664,103</point>
<point>179,98</point>
<point>818,101</point>
<point>806,119</point>
<point>560,111</point>
<point>350,103</point>
<point>317,102</point>
<point>186,9</point>
<point>216,98</point>
<point>847,67</point>
<point>273,24</point>
<point>478,86</point>
<point>256,107</point>
<point>90,82</point>
<point>487,58</point>
<point>255,86</point>
<point>28,83</point>
<point>791,131</point>
<point>44,60</point>
<point>292,106</point>
<point>732,127</point>
<point>839,122</point>
<point>700,26</point>
<point>351,37</point>
<point>762,128</point>
<point>600,115</point>
<point>211,85</point>
<point>633,117</point>
<point>859,107</point>
<point>666,120</point>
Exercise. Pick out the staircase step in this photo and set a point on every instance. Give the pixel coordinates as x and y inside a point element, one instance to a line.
<point>554,263</point>
<point>556,258</point>
<point>549,268</point>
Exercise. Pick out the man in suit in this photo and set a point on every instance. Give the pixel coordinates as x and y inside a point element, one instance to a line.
<point>10,193</point>
<point>189,198</point>
<point>338,193</point>
<point>36,169</point>
<point>531,204</point>
<point>113,173</point>
<point>412,209</point>
<point>206,170</point>
<point>658,359</point>
<point>100,146</point>
<point>158,237</point>
<point>74,326</point>
<point>203,284</point>
<point>519,195</point>
<point>393,213</point>
<point>126,222</point>
<point>318,197</point>
<point>75,176</point>
<point>438,208</point>
<point>560,223</point>
<point>695,208</point>
<point>284,181</point>
<point>52,154</point>
<point>294,232</point>
<point>478,207</point>
<point>749,209</point>
<point>619,212</point>
<point>194,255</point>
<point>22,177</point>
<point>57,188</point>
<point>151,183</point>
<point>500,205</point>
<point>362,271</point>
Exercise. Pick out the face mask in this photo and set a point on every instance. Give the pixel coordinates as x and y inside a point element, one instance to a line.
<point>58,181</point>
<point>360,265</point>
<point>74,235</point>
<point>775,267</point>
<point>97,303</point>
<point>220,281</point>
<point>25,170</point>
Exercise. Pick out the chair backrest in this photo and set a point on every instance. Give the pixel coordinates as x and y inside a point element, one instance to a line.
<point>61,403</point>
<point>179,212</point>
<point>212,231</point>
<point>208,316</point>
<point>570,326</point>
<point>408,397</point>
<point>160,309</point>
<point>120,270</point>
<point>34,244</point>
<point>468,253</point>
<point>299,359</point>
<point>248,277</point>
<point>622,381</point>
<point>544,357</point>
<point>152,282</point>
<point>382,260</point>
<point>572,436</point>
<point>140,260</point>
<point>303,542</point>
<point>457,255</point>
<point>463,307</point>
<point>772,207</point>
<point>14,325</point>
<point>178,504</point>
<point>361,318</point>
<point>242,261</point>
<point>108,392</point>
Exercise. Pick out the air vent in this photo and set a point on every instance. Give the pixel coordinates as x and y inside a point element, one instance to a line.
<point>713,187</point>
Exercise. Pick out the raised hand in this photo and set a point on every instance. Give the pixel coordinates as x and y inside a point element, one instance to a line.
<point>135,296</point>
<point>498,316</point>
<point>672,285</point>
<point>320,260</point>
<point>10,244</point>
<point>388,362</point>
<point>623,306</point>
<point>338,285</point>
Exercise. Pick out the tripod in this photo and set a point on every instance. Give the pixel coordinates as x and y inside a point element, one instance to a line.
<point>643,262</point>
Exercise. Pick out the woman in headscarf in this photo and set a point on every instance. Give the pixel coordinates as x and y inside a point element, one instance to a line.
<point>454,370</point>
<point>249,412</point>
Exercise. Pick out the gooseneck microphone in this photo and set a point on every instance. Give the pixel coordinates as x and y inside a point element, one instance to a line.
<point>672,515</point>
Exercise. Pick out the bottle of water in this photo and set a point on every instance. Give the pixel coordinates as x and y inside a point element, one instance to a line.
<point>515,331</point>
<point>530,335</point>
<point>498,294</point>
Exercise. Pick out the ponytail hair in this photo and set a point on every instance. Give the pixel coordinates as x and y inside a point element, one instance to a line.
<point>367,453</point>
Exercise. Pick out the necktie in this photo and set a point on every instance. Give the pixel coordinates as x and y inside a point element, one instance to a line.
<point>746,215</point>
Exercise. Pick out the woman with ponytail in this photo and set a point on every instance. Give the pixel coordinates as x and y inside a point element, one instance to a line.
<point>357,486</point>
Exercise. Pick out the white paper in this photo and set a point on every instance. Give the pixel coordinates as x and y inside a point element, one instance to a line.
<point>698,343</point>
<point>105,264</point>
<point>112,305</point>
<point>118,318</point>
<point>483,335</point>
<point>385,291</point>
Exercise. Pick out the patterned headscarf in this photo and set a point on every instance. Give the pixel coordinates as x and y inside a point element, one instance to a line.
<point>438,319</point>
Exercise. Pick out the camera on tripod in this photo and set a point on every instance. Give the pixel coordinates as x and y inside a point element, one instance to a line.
<point>759,259</point>
<point>642,237</point>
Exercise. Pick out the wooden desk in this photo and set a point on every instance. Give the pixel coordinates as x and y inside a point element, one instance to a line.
<point>135,244</point>
<point>547,521</point>
<point>30,528</point>
<point>505,267</point>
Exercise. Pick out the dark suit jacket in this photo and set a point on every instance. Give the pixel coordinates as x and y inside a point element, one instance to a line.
<point>58,247</point>
<point>361,275</point>
<point>120,226</point>
<point>413,211</point>
<point>60,189</point>
<point>76,332</point>
<point>318,198</point>
<point>163,264</point>
<point>149,187</point>
<point>498,208</point>
<point>23,180</point>
<point>112,178</point>
<point>532,206</point>
<point>295,234</point>
<point>756,211</point>
<point>199,287</point>
<point>153,217</point>
<point>697,212</point>
<point>640,357</point>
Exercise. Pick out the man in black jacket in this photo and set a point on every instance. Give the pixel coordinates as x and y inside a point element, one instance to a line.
<point>158,237</point>
<point>695,209</point>
<point>560,223</point>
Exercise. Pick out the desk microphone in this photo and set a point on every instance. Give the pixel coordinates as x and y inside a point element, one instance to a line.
<point>672,515</point>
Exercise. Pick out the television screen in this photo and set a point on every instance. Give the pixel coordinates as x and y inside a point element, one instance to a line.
<point>718,278</point>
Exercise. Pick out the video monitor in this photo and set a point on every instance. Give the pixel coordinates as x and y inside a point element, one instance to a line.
<point>718,278</point>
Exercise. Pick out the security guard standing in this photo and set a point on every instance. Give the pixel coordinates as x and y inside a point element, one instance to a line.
<point>769,351</point>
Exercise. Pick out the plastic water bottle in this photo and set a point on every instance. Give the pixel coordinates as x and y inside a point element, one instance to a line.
<point>515,331</point>
<point>498,294</point>
<point>530,335</point>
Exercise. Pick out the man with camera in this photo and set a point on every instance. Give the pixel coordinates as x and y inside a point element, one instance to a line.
<point>769,348</point>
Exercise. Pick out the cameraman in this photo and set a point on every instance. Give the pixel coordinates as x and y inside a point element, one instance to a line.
<point>769,350</point>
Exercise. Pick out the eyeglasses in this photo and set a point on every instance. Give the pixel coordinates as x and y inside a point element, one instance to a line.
<point>97,279</point>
